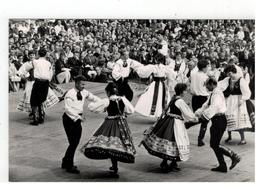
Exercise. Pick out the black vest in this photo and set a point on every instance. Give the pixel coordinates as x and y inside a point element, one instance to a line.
<point>174,109</point>
<point>233,91</point>
<point>113,110</point>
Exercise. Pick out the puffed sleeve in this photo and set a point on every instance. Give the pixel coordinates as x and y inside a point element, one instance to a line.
<point>246,93</point>
<point>129,108</point>
<point>24,69</point>
<point>223,84</point>
<point>98,106</point>
<point>187,113</point>
<point>145,71</point>
<point>116,74</point>
<point>135,64</point>
<point>91,97</point>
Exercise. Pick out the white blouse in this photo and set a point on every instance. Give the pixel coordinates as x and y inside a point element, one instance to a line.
<point>102,104</point>
<point>245,90</point>
<point>187,113</point>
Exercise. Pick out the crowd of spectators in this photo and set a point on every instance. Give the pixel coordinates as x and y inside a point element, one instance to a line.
<point>91,47</point>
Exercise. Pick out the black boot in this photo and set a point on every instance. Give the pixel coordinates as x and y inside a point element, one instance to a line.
<point>174,166</point>
<point>114,168</point>
<point>203,129</point>
<point>164,166</point>
<point>233,156</point>
<point>221,168</point>
<point>41,114</point>
<point>34,122</point>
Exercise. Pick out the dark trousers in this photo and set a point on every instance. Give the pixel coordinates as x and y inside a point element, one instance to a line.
<point>73,131</point>
<point>39,94</point>
<point>219,124</point>
<point>197,102</point>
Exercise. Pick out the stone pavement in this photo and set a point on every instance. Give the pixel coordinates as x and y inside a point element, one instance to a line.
<point>35,152</point>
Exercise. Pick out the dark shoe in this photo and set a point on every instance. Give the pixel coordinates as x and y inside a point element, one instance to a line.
<point>41,121</point>
<point>219,169</point>
<point>72,170</point>
<point>235,160</point>
<point>64,166</point>
<point>242,142</point>
<point>114,175</point>
<point>34,123</point>
<point>174,167</point>
<point>201,143</point>
<point>165,167</point>
<point>115,170</point>
<point>228,140</point>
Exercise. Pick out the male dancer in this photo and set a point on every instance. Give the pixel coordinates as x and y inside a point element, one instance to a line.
<point>200,93</point>
<point>72,118</point>
<point>214,108</point>
<point>42,74</point>
<point>121,72</point>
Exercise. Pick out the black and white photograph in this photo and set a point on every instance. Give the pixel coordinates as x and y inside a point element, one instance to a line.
<point>129,99</point>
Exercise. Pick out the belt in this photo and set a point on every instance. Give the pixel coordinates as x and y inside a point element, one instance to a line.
<point>158,78</point>
<point>174,116</point>
<point>219,114</point>
<point>41,80</point>
<point>115,117</point>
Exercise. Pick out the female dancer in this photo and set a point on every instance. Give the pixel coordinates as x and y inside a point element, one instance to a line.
<point>237,92</point>
<point>113,138</point>
<point>156,96</point>
<point>168,138</point>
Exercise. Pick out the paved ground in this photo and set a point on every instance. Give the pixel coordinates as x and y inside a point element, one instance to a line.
<point>35,152</point>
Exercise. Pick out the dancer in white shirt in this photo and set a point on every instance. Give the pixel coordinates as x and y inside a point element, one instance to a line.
<point>72,118</point>
<point>199,93</point>
<point>214,109</point>
<point>42,72</point>
<point>121,71</point>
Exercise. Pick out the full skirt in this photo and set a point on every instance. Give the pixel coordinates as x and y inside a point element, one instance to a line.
<point>112,140</point>
<point>168,139</point>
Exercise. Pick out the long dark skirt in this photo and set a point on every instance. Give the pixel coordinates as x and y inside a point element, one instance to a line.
<point>112,140</point>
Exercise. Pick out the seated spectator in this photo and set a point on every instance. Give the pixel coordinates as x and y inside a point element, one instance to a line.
<point>75,65</point>
<point>100,76</point>
<point>61,70</point>
<point>14,80</point>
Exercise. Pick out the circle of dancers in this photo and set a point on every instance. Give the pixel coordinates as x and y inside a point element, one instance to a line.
<point>226,103</point>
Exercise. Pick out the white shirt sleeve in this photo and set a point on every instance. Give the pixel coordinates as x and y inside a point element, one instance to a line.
<point>24,69</point>
<point>223,84</point>
<point>135,64</point>
<point>129,109</point>
<point>91,97</point>
<point>202,108</point>
<point>99,106</point>
<point>246,93</point>
<point>145,71</point>
<point>187,113</point>
<point>212,109</point>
